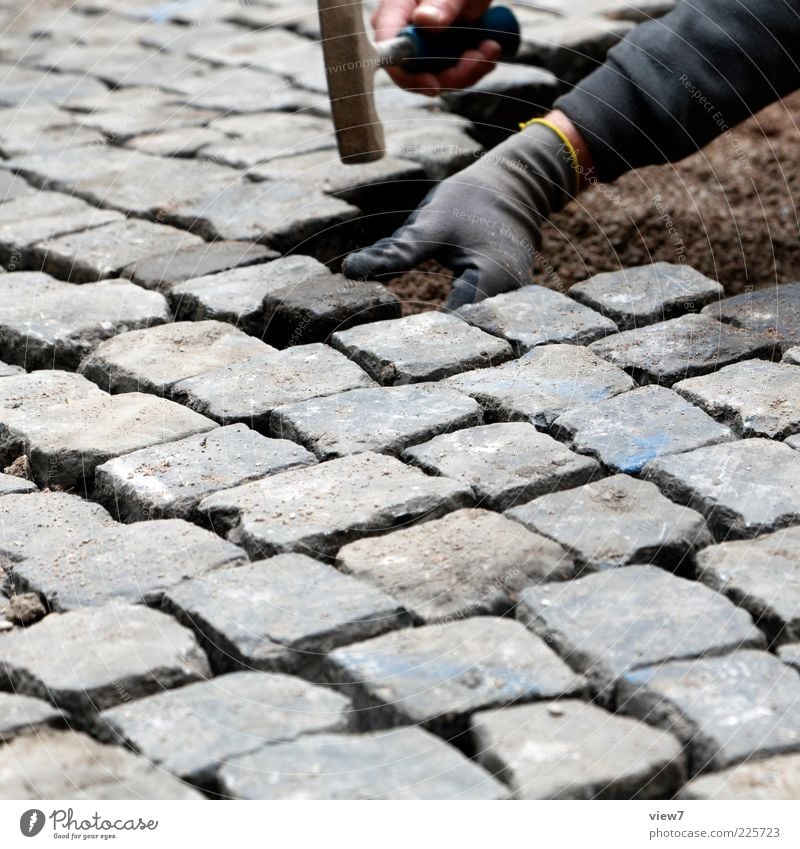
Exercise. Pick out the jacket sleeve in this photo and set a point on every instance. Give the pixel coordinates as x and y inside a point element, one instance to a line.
<point>678,82</point>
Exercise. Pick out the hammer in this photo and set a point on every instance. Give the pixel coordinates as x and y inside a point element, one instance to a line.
<point>351,60</point>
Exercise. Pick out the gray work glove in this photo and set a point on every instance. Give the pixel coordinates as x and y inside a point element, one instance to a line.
<point>483,223</point>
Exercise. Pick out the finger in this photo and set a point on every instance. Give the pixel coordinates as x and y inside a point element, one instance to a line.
<point>470,68</point>
<point>426,84</point>
<point>403,250</point>
<point>391,16</point>
<point>464,290</point>
<point>440,14</point>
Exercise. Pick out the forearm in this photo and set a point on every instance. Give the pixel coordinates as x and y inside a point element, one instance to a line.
<point>678,82</point>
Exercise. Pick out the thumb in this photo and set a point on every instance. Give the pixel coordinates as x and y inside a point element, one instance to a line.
<point>405,249</point>
<point>439,14</point>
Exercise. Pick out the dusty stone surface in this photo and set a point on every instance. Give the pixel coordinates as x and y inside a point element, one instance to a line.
<point>504,463</point>
<point>169,481</point>
<point>404,763</point>
<point>47,323</point>
<point>90,659</point>
<point>790,654</point>
<point>571,750</point>
<point>628,431</point>
<point>792,356</point>
<point>7,370</point>
<point>428,346</point>
<point>682,347</point>
<point>281,614</point>
<point>743,488</point>
<point>25,715</point>
<point>316,510</point>
<point>468,563</point>
<point>69,765</point>
<point>13,485</point>
<point>533,316</point>
<point>153,360</point>
<point>384,419</point>
<point>125,563</point>
<point>634,297</point>
<point>769,779</point>
<point>191,731</point>
<point>437,675</point>
<point>543,384</point>
<point>614,522</point>
<point>249,392</point>
<point>756,397</point>
<point>762,576</point>
<point>772,311</point>
<point>725,709</point>
<point>608,624</point>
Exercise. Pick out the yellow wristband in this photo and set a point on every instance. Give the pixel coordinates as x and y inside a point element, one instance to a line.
<point>576,165</point>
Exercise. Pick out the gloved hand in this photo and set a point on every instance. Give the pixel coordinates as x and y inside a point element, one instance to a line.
<point>484,222</point>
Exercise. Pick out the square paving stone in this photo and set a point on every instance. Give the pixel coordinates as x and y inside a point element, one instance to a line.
<point>505,463</point>
<point>154,359</point>
<point>250,391</point>
<point>571,750</point>
<point>404,763</point>
<point>614,522</point>
<point>744,488</point>
<point>757,398</point>
<point>126,563</point>
<point>533,316</point>
<point>427,346</point>
<point>770,779</point>
<point>468,563</point>
<point>609,624</point>
<point>237,296</point>
<point>543,384</point>
<point>104,251</point>
<point>384,419</point>
<point>69,765</point>
<point>318,509</point>
<point>761,575</point>
<point>193,730</point>
<point>90,659</point>
<point>724,709</point>
<point>792,356</point>
<point>7,370</point>
<point>24,714</point>
<point>47,323</point>
<point>169,481</point>
<point>682,347</point>
<point>12,485</point>
<point>163,271</point>
<point>437,675</point>
<point>281,614</point>
<point>646,294</point>
<point>629,430</point>
<point>774,311</point>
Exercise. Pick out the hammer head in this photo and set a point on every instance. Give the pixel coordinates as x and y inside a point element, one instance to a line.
<point>351,60</point>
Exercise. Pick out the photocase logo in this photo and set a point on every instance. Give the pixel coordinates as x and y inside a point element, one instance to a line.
<point>31,822</point>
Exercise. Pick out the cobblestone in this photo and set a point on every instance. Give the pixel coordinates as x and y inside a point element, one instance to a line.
<point>615,522</point>
<point>320,508</point>
<point>12,485</point>
<point>90,659</point>
<point>249,392</point>
<point>191,731</point>
<point>646,294</point>
<point>534,316</point>
<point>760,575</point>
<point>724,709</point>
<point>421,347</point>
<point>437,675</point>
<point>743,488</point>
<point>169,481</point>
<point>609,624</point>
<point>627,431</point>
<point>68,765</point>
<point>504,463</point>
<point>404,763</point>
<point>25,715</point>
<point>384,419</point>
<point>47,323</point>
<point>571,750</point>
<point>470,562</point>
<point>756,397</point>
<point>682,347</point>
<point>770,779</point>
<point>792,356</point>
<point>281,614</point>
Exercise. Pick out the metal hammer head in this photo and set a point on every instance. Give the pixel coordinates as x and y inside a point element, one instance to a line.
<point>351,60</point>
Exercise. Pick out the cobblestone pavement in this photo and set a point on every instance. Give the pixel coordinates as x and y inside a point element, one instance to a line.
<point>262,536</point>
